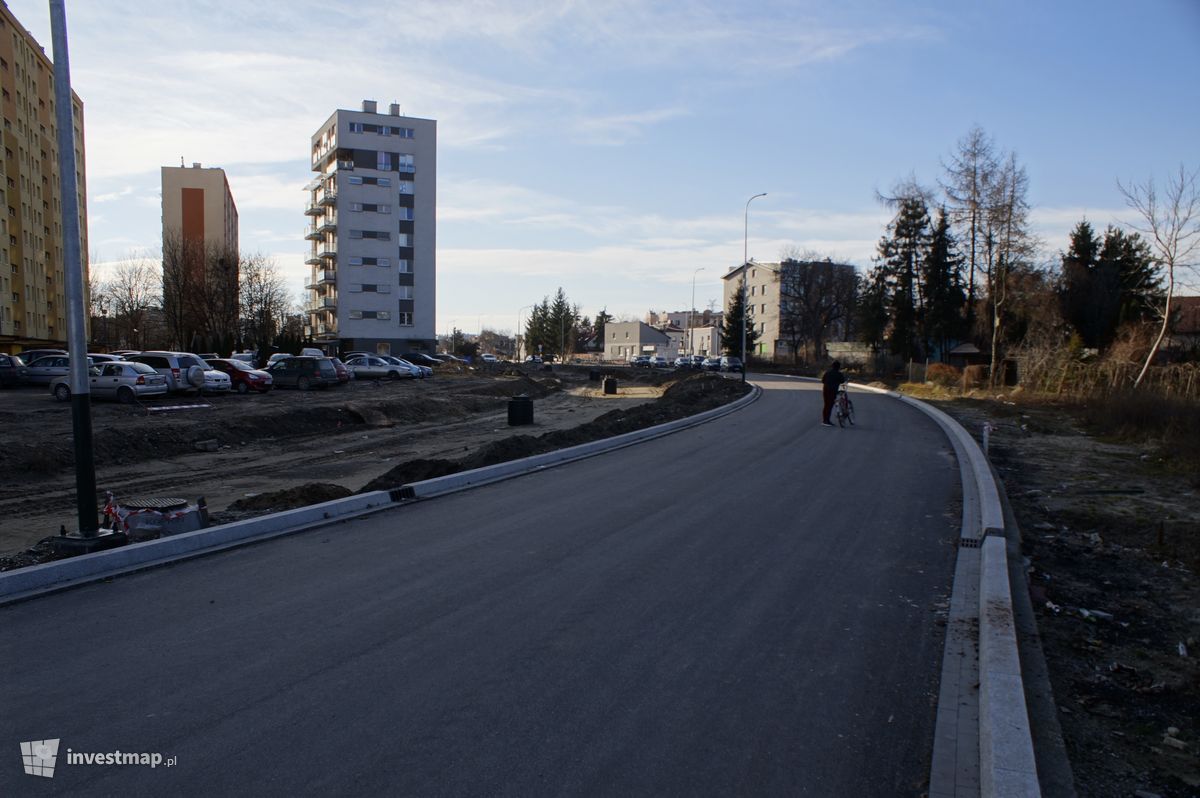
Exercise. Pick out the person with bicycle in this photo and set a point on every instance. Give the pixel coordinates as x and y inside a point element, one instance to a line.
<point>830,382</point>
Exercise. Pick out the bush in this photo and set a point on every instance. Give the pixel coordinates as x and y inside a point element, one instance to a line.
<point>975,376</point>
<point>943,374</point>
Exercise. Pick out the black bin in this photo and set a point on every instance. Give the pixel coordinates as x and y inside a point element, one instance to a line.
<point>610,385</point>
<point>520,411</point>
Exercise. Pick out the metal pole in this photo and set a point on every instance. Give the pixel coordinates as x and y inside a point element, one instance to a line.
<point>691,311</point>
<point>81,411</point>
<point>745,270</point>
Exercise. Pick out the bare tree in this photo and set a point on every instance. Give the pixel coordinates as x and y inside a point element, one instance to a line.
<point>968,184</point>
<point>817,299</point>
<point>1172,225</point>
<point>199,291</point>
<point>265,300</point>
<point>1009,242</point>
<point>132,291</point>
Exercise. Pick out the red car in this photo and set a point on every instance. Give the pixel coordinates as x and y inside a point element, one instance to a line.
<point>245,378</point>
<point>344,374</point>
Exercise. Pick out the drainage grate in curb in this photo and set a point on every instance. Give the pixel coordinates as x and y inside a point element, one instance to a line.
<point>402,493</point>
<point>969,543</point>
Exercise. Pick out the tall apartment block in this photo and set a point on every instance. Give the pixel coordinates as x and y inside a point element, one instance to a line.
<point>32,282</point>
<point>200,255</point>
<point>373,231</point>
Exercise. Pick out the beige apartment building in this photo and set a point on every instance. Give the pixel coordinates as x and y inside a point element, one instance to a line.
<point>372,212</point>
<point>32,282</point>
<point>200,255</point>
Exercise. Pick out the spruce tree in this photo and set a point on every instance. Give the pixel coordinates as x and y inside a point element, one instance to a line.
<point>731,329</point>
<point>945,301</point>
<point>903,251</point>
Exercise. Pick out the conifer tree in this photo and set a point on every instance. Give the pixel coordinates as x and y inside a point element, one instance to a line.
<point>731,329</point>
<point>902,251</point>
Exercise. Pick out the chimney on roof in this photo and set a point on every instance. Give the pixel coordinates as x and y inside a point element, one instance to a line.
<point>368,106</point>
<point>394,109</point>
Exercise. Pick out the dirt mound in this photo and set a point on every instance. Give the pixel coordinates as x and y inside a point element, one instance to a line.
<point>302,496</point>
<point>683,397</point>
<point>515,385</point>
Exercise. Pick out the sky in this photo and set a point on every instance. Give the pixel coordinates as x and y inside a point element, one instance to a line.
<point>609,147</point>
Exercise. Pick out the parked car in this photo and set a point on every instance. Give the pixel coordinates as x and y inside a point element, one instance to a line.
<point>30,355</point>
<point>732,364</point>
<point>536,359</point>
<point>249,358</point>
<point>304,372</point>
<point>109,357</point>
<point>712,364</point>
<point>657,362</point>
<point>489,358</point>
<point>45,369</point>
<point>418,371</point>
<point>184,371</point>
<point>243,376</point>
<point>421,359</point>
<point>639,361</point>
<point>683,362</point>
<point>122,381</point>
<point>12,370</point>
<point>278,356</point>
<point>697,361</point>
<point>344,374</point>
<point>374,367</point>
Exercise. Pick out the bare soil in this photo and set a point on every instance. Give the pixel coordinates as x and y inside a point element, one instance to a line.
<point>1111,533</point>
<point>249,455</point>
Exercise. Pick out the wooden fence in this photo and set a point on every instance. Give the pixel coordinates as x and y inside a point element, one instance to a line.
<point>1082,380</point>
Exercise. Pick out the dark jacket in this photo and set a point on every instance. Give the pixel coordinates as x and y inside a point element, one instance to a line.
<point>832,380</point>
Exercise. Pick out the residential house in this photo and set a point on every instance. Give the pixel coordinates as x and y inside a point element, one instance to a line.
<point>627,339</point>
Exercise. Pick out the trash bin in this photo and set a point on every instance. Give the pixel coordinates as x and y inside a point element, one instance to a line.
<point>610,385</point>
<point>520,411</point>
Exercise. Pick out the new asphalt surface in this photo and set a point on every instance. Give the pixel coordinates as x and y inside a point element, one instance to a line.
<point>750,606</point>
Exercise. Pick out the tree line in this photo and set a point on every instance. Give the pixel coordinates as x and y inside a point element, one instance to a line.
<point>194,300</point>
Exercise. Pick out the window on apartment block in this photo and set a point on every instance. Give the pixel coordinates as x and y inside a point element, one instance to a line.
<point>383,161</point>
<point>405,214</point>
<point>405,239</point>
<point>405,267</point>
<point>405,292</point>
<point>404,318</point>
<point>355,180</point>
<point>405,164</point>
<point>405,186</point>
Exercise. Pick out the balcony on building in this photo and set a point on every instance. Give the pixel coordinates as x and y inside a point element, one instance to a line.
<point>313,261</point>
<point>313,209</point>
<point>314,234</point>
<point>323,277</point>
<point>328,197</point>
<point>327,225</point>
<point>328,254</point>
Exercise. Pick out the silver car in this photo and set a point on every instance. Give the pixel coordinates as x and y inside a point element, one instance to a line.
<point>370,367</point>
<point>124,382</point>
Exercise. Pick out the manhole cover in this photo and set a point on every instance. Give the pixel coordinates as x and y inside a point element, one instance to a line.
<point>153,503</point>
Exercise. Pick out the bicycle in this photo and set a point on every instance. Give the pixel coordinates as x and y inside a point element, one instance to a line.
<point>843,407</point>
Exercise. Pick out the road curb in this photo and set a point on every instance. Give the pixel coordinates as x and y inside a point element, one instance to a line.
<point>1006,760</point>
<point>36,580</point>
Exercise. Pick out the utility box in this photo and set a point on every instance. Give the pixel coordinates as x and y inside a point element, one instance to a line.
<point>520,411</point>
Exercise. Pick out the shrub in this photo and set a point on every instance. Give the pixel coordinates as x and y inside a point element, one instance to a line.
<point>943,374</point>
<point>975,376</point>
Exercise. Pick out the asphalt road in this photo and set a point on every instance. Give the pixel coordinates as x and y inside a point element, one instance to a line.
<point>745,608</point>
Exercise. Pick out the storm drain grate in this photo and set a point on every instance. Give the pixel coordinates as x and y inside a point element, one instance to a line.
<point>402,493</point>
<point>969,543</point>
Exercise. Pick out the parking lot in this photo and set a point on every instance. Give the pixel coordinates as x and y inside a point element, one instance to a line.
<point>231,446</point>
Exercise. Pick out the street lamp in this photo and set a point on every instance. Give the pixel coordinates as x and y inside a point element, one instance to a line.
<point>745,270</point>
<point>691,310</point>
<point>517,343</point>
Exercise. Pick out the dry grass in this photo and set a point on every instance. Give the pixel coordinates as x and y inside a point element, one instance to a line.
<point>1173,424</point>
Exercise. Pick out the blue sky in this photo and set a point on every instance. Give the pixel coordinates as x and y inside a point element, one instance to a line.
<point>609,147</point>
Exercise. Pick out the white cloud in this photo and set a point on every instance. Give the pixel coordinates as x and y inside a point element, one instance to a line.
<point>617,129</point>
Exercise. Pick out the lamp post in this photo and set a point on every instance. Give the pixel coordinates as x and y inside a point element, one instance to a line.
<point>517,343</point>
<point>745,270</point>
<point>691,310</point>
